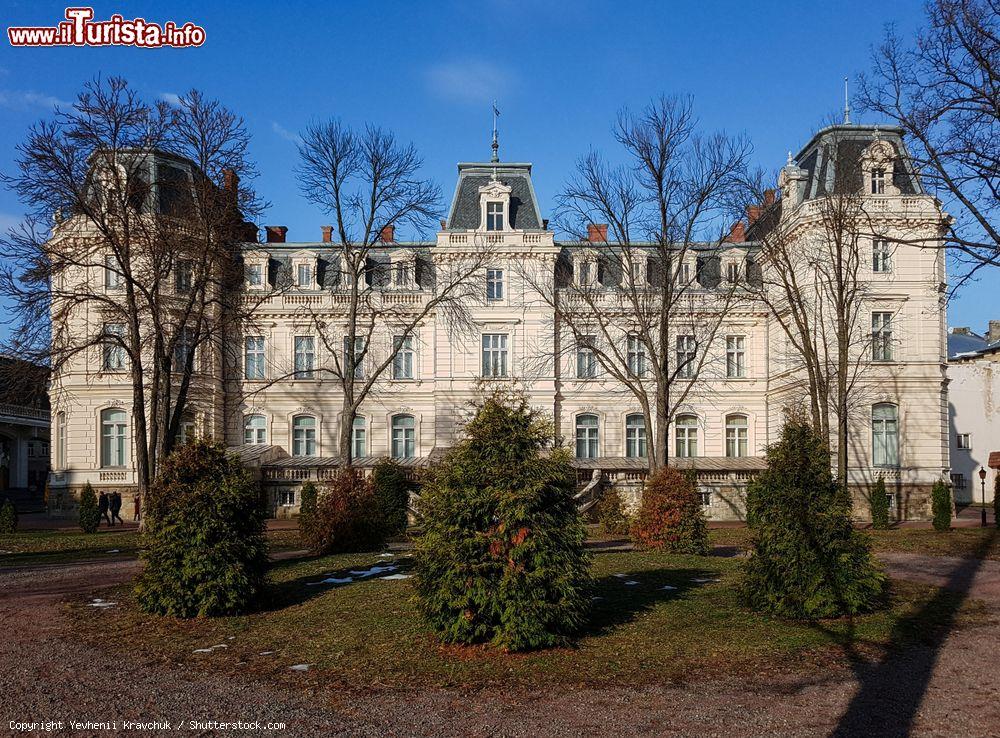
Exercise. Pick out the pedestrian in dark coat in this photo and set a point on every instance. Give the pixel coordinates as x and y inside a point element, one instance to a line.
<point>116,507</point>
<point>102,506</point>
<point>137,508</point>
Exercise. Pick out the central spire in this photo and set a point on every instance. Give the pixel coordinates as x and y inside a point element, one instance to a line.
<point>496,141</point>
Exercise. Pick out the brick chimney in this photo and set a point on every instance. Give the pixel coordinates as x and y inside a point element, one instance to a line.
<point>737,234</point>
<point>327,233</point>
<point>993,334</point>
<point>768,198</point>
<point>276,234</point>
<point>597,232</point>
<point>753,212</point>
<point>961,331</point>
<point>388,234</point>
<point>231,186</point>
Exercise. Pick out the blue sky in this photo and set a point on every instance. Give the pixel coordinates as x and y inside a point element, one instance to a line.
<point>428,71</point>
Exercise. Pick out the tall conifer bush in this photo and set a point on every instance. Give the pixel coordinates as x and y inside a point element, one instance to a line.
<point>392,494</point>
<point>941,506</point>
<point>501,556</point>
<point>806,561</point>
<point>879,505</point>
<point>90,513</point>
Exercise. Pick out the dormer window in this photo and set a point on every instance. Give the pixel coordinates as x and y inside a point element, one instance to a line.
<point>304,276</point>
<point>878,181</point>
<point>402,274</point>
<point>255,275</point>
<point>494,215</point>
<point>586,271</point>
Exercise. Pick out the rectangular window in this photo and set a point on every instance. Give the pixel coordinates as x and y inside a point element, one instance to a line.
<point>402,360</point>
<point>112,275</point>
<point>962,440</point>
<point>184,276</point>
<point>183,349</point>
<point>286,498</point>
<point>494,284</point>
<point>113,359</point>
<point>304,276</point>
<point>253,357</point>
<point>401,274</point>
<point>255,275</point>
<point>958,481</point>
<point>586,360</point>
<point>732,272</point>
<point>635,437</point>
<point>494,216</point>
<point>584,273</point>
<point>359,438</point>
<point>636,351</point>
<point>686,356</point>
<point>737,438</point>
<point>494,354</point>
<point>706,497</point>
<point>357,361</point>
<point>878,181</point>
<point>683,274</point>
<point>881,336</point>
<point>305,357</point>
<point>736,356</point>
<point>303,435</point>
<point>881,257</point>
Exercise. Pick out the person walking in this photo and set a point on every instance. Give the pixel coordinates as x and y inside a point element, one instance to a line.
<point>136,508</point>
<point>116,507</point>
<point>102,507</point>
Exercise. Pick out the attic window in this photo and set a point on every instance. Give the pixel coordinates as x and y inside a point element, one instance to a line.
<point>878,181</point>
<point>494,216</point>
<point>304,275</point>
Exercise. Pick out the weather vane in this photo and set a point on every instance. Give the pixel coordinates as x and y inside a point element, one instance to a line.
<point>496,142</point>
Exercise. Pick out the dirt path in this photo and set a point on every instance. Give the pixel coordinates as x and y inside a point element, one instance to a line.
<point>941,689</point>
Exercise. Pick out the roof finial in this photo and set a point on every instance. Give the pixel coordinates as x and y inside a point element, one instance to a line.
<point>496,142</point>
<point>847,105</point>
<point>789,162</point>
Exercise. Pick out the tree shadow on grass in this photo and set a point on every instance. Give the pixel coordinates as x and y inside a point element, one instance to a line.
<point>892,689</point>
<point>309,586</point>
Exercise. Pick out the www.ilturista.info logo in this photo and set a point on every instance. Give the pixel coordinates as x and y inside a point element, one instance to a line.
<point>79,29</point>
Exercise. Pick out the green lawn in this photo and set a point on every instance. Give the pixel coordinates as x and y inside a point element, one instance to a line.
<point>61,546</point>
<point>368,634</point>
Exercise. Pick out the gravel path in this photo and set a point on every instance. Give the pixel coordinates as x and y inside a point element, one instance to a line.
<point>941,689</point>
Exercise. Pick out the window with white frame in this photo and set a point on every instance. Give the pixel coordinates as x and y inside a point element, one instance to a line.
<point>494,215</point>
<point>286,497</point>
<point>184,276</point>
<point>635,436</point>
<point>732,272</point>
<point>586,272</point>
<point>636,355</point>
<point>114,437</point>
<point>881,256</point>
<point>963,440</point>
<point>683,274</point>
<point>305,356</point>
<point>303,435</point>
<point>186,433</point>
<point>494,284</point>
<point>253,357</point>
<point>183,348</point>
<point>359,437</point>
<point>113,352</point>
<point>255,275</point>
<point>687,350</point>
<point>304,275</point>
<point>60,455</point>
<point>355,359</point>
<point>878,181</point>
<point>404,437</point>
<point>586,360</point>
<point>885,434</point>
<point>686,436</point>
<point>881,336</point>
<point>112,274</point>
<point>587,427</point>
<point>402,274</point>
<point>255,430</point>
<point>737,437</point>
<point>402,359</point>
<point>494,354</point>
<point>705,495</point>
<point>736,365</point>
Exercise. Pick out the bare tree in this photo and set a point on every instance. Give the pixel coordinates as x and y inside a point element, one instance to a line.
<point>370,184</point>
<point>944,91</point>
<point>132,280</point>
<point>647,299</point>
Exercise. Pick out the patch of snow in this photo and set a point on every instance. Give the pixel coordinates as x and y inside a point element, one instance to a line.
<point>231,638</point>
<point>203,650</point>
<point>386,555</point>
<point>331,580</point>
<point>98,602</point>
<point>397,576</point>
<point>265,653</point>
<point>300,667</point>
<point>631,583</point>
<point>705,580</point>
<point>620,576</point>
<point>374,571</point>
<point>113,551</point>
<point>668,586</point>
<point>5,551</point>
<point>220,645</point>
<point>593,599</point>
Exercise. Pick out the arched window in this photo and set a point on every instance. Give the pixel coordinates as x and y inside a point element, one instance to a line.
<point>737,438</point>
<point>303,435</point>
<point>255,430</point>
<point>635,436</point>
<point>113,438</point>
<point>586,436</point>
<point>359,437</point>
<point>404,437</point>
<point>186,433</point>
<point>885,434</point>
<point>686,435</point>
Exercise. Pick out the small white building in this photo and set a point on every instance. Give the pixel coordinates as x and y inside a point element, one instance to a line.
<point>973,410</point>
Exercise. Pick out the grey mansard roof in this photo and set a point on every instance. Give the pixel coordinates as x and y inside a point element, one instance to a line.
<point>524,212</point>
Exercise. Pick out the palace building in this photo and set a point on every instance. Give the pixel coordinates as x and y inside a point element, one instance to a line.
<point>270,400</point>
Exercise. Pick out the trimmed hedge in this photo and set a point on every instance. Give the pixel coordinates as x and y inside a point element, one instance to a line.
<point>347,518</point>
<point>392,494</point>
<point>670,517</point>
<point>501,556</point>
<point>879,505</point>
<point>807,560</point>
<point>610,514</point>
<point>941,506</point>
<point>307,510</point>
<point>90,513</point>
<point>8,517</point>
<point>205,549</point>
